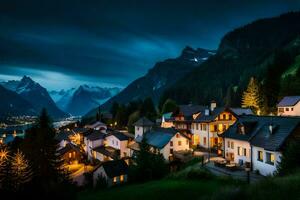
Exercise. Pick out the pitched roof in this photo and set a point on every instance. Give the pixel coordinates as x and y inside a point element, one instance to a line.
<point>258,133</point>
<point>159,137</point>
<point>115,168</point>
<point>289,101</point>
<point>143,122</point>
<point>242,111</point>
<point>107,151</point>
<point>212,114</point>
<point>95,135</point>
<point>95,124</point>
<point>68,147</point>
<point>189,110</point>
<point>119,135</point>
<point>80,130</point>
<point>63,135</point>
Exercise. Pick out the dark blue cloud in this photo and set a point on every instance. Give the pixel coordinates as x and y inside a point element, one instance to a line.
<point>114,42</point>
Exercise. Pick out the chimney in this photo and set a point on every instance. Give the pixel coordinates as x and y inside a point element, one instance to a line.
<point>213,105</point>
<point>206,112</point>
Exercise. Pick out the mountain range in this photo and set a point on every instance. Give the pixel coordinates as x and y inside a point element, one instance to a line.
<point>79,101</point>
<point>26,91</point>
<point>160,77</point>
<point>199,76</point>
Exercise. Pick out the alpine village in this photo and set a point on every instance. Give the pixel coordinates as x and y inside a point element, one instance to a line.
<point>227,129</point>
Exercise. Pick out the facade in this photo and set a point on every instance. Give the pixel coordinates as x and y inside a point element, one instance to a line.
<point>93,139</point>
<point>165,140</point>
<point>289,106</point>
<point>142,126</point>
<point>118,141</point>
<point>71,154</point>
<point>260,141</point>
<point>104,154</point>
<point>114,172</point>
<point>208,127</point>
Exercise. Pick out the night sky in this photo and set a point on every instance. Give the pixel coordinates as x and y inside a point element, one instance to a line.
<point>64,43</point>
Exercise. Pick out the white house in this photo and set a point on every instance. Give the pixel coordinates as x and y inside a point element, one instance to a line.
<point>114,172</point>
<point>118,141</point>
<point>289,106</point>
<point>93,139</point>
<point>259,140</point>
<point>103,153</point>
<point>165,140</point>
<point>142,126</point>
<point>209,125</point>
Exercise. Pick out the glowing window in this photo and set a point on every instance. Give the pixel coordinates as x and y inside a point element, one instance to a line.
<point>121,178</point>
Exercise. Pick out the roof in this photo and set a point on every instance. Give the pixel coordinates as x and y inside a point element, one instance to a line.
<point>95,135</point>
<point>107,151</point>
<point>115,168</point>
<point>258,133</point>
<point>189,110</point>
<point>242,111</point>
<point>289,101</point>
<point>143,122</point>
<point>212,114</point>
<point>68,147</point>
<point>119,135</point>
<point>159,137</point>
<point>95,124</point>
<point>80,130</point>
<point>167,116</point>
<point>63,135</point>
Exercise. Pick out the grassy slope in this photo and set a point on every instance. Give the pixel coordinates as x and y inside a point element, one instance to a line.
<point>164,189</point>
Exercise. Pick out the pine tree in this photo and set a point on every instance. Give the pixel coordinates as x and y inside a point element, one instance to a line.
<point>3,165</point>
<point>251,97</point>
<point>20,170</point>
<point>40,147</point>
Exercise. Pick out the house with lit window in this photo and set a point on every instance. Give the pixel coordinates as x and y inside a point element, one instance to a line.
<point>105,153</point>
<point>209,125</point>
<point>120,141</point>
<point>63,138</point>
<point>114,172</point>
<point>182,118</point>
<point>166,141</point>
<point>93,139</point>
<point>289,106</point>
<point>71,154</point>
<point>260,140</point>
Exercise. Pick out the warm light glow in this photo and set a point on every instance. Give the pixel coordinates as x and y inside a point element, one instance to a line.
<point>122,178</point>
<point>3,154</point>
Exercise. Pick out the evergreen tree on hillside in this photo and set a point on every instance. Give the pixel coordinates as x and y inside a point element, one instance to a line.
<point>20,171</point>
<point>252,97</point>
<point>169,106</point>
<point>148,109</point>
<point>40,147</point>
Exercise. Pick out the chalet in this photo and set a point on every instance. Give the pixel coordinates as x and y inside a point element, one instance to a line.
<point>118,140</point>
<point>142,126</point>
<point>182,119</point>
<point>165,140</point>
<point>63,138</point>
<point>71,154</point>
<point>103,153</point>
<point>209,125</point>
<point>93,139</point>
<point>97,125</point>
<point>114,172</point>
<point>260,140</point>
<point>289,106</point>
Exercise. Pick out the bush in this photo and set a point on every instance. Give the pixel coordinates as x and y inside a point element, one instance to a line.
<point>199,174</point>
